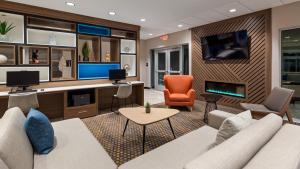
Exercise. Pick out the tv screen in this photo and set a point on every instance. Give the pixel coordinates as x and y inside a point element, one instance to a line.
<point>22,78</point>
<point>117,74</point>
<point>232,45</point>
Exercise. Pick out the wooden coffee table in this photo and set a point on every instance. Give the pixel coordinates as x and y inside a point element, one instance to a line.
<point>140,117</point>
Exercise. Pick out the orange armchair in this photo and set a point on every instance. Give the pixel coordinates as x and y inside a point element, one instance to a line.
<point>178,90</point>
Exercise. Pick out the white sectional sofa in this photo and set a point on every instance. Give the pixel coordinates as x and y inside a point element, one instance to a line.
<point>265,144</point>
<point>76,147</point>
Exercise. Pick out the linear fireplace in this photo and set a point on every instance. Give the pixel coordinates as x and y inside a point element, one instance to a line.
<point>224,88</point>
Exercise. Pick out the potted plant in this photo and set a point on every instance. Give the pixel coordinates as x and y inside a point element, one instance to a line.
<point>4,29</point>
<point>147,107</point>
<point>85,52</point>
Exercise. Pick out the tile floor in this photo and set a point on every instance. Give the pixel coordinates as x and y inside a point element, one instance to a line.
<point>153,96</point>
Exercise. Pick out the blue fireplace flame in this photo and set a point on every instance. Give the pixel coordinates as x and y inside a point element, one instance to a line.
<point>225,93</point>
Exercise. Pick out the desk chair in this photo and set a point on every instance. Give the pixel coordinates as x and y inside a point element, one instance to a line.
<point>25,101</point>
<point>124,92</point>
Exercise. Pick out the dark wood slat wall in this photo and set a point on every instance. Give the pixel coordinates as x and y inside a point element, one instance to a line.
<point>254,72</point>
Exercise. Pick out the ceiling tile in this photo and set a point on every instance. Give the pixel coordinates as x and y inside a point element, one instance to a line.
<point>260,4</point>
<point>289,1</point>
<point>241,9</point>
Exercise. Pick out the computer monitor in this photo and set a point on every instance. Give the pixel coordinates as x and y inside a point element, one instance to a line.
<point>22,79</point>
<point>117,74</point>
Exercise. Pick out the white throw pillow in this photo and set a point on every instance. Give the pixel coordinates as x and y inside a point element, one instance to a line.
<point>233,125</point>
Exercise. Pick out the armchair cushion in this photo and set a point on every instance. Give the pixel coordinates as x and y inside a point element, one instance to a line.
<point>177,97</point>
<point>256,108</point>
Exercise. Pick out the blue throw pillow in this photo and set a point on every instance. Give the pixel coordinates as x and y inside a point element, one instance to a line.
<point>39,131</point>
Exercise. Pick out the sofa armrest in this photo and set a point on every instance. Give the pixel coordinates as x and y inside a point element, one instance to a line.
<point>216,118</point>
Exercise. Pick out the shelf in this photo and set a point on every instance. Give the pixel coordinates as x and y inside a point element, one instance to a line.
<point>63,64</point>
<point>16,35</point>
<point>128,46</point>
<point>128,62</point>
<point>33,55</point>
<point>50,24</point>
<point>123,34</point>
<point>93,44</point>
<point>110,50</point>
<point>44,72</point>
<point>52,38</point>
<point>9,56</point>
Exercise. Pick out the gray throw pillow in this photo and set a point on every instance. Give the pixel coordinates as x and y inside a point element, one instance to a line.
<point>233,125</point>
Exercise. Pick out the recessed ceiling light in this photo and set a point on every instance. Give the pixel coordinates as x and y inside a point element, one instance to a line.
<point>70,4</point>
<point>150,34</point>
<point>180,26</point>
<point>112,13</point>
<point>232,10</point>
<point>143,20</point>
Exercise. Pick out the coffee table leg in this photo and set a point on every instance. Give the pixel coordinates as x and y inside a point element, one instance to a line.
<point>125,127</point>
<point>144,136</point>
<point>171,127</point>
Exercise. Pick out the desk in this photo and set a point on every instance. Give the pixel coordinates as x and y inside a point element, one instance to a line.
<point>53,100</point>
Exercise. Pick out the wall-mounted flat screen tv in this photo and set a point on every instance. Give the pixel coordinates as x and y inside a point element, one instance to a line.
<point>233,45</point>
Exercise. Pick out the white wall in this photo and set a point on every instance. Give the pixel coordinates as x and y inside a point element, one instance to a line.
<point>283,17</point>
<point>178,38</point>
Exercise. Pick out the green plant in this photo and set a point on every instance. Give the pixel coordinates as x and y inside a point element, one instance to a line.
<point>85,50</point>
<point>147,105</point>
<point>5,28</point>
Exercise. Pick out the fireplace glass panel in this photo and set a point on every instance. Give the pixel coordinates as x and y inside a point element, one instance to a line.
<point>229,89</point>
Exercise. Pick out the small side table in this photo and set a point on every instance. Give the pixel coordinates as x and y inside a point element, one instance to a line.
<point>211,103</point>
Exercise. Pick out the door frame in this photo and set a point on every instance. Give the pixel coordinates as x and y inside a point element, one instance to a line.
<point>167,70</point>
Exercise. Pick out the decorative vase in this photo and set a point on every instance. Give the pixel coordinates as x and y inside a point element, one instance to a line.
<point>148,110</point>
<point>3,59</point>
<point>85,58</point>
<point>4,38</point>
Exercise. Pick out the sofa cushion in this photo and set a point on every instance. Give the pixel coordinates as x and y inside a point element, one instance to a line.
<point>235,152</point>
<point>177,97</point>
<point>15,148</point>
<point>39,131</point>
<point>282,151</point>
<point>3,165</point>
<point>216,118</point>
<point>233,125</point>
<point>176,153</point>
<point>75,148</point>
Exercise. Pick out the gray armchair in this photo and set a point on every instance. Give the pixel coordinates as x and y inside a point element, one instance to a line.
<point>277,102</point>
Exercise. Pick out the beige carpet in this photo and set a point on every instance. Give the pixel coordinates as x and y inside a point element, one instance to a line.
<point>107,128</point>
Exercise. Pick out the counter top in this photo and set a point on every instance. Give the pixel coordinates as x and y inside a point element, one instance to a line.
<point>66,88</point>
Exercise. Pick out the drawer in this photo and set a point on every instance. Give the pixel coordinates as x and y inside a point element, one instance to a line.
<point>81,111</point>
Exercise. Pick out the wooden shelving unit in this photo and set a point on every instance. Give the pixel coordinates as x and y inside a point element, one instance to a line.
<point>110,49</point>
<point>93,43</point>
<point>9,52</point>
<point>63,64</point>
<point>44,23</point>
<point>80,103</point>
<point>27,55</point>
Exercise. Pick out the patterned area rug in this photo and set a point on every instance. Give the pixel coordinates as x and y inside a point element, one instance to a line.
<point>108,128</point>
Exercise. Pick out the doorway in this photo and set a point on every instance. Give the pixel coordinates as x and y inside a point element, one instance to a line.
<point>167,62</point>
<point>290,65</point>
